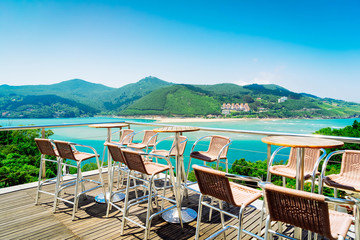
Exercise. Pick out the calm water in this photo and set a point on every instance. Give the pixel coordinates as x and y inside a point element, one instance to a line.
<point>249,147</point>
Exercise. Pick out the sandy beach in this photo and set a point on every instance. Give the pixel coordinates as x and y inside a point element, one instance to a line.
<point>180,120</point>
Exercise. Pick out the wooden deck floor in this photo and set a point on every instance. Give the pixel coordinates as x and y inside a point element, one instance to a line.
<point>20,218</point>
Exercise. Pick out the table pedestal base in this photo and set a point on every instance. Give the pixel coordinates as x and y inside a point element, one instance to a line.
<point>172,216</point>
<point>116,197</point>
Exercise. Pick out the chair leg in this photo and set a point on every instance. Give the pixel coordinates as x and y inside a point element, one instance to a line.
<point>211,210</point>
<point>268,176</point>
<point>222,217</point>
<point>188,168</point>
<point>110,191</point>
<point>118,177</point>
<point>84,197</point>
<point>280,230</point>
<point>149,209</point>
<point>335,196</point>
<point>162,199</point>
<point>267,226</point>
<point>199,217</point>
<point>241,213</point>
<point>76,197</point>
<point>284,181</point>
<point>125,204</point>
<point>357,220</point>
<point>39,182</point>
<point>101,178</point>
<point>57,184</point>
<point>261,217</point>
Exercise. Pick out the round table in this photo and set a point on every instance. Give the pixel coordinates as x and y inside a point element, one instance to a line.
<point>187,214</point>
<point>301,143</point>
<point>119,196</point>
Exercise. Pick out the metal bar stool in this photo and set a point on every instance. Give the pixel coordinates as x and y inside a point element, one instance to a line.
<point>348,180</point>
<point>214,183</point>
<point>136,163</point>
<point>313,157</point>
<point>305,210</point>
<point>46,148</point>
<point>68,150</point>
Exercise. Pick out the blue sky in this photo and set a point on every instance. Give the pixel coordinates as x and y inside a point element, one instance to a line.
<point>304,46</point>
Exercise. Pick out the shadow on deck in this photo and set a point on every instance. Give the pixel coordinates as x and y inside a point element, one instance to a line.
<point>20,218</point>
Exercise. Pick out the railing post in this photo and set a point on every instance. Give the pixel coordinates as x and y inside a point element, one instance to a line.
<point>43,162</point>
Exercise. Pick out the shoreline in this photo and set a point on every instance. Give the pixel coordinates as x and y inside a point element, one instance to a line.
<point>160,119</point>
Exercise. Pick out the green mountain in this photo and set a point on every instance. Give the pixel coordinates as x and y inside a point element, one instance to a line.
<point>43,106</point>
<point>97,97</point>
<point>152,96</point>
<point>122,97</point>
<point>179,100</point>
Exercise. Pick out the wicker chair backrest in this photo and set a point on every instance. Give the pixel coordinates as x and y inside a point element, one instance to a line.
<point>115,153</point>
<point>45,146</point>
<point>350,166</point>
<point>305,210</point>
<point>216,144</point>
<point>147,135</point>
<point>134,161</point>
<point>311,156</point>
<point>125,137</point>
<point>214,183</point>
<point>65,150</point>
<point>182,146</point>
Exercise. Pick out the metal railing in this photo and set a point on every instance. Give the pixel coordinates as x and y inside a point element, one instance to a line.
<point>216,130</point>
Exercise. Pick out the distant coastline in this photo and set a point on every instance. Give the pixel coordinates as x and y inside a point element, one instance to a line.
<point>162,119</point>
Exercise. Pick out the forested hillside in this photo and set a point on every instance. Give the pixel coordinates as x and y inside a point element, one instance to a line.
<point>152,96</point>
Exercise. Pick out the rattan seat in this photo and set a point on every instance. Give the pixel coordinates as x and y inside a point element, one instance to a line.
<point>343,182</point>
<point>308,211</point>
<point>243,195</point>
<point>205,156</point>
<point>214,183</point>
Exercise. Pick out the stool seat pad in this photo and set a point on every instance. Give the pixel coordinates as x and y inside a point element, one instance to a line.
<point>155,168</point>
<point>80,156</point>
<point>288,172</point>
<point>339,223</point>
<point>244,195</point>
<point>205,156</point>
<point>340,181</point>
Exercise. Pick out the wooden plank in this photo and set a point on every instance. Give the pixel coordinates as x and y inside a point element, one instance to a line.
<point>20,218</point>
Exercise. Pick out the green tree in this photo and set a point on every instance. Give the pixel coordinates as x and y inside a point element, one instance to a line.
<point>20,157</point>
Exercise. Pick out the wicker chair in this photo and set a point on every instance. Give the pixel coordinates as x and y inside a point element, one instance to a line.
<point>308,211</point>
<point>148,141</point>
<point>126,136</point>
<point>216,184</point>
<point>172,151</point>
<point>348,179</point>
<point>216,152</point>
<point>135,162</point>
<point>46,148</point>
<point>68,150</point>
<point>349,176</point>
<point>117,157</point>
<point>311,165</point>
